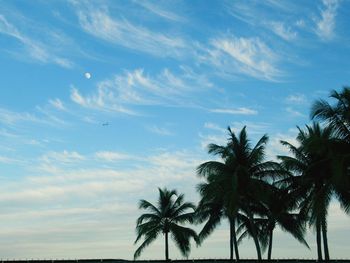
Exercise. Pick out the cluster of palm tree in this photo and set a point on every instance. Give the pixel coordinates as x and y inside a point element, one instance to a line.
<point>256,195</point>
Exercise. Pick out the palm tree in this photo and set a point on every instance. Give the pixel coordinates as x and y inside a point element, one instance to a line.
<point>233,184</point>
<point>168,216</point>
<point>338,115</point>
<point>217,202</point>
<point>279,209</point>
<point>314,181</point>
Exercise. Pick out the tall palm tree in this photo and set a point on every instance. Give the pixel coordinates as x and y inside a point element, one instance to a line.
<point>216,204</point>
<point>337,116</point>
<point>167,217</point>
<point>233,184</point>
<point>314,181</point>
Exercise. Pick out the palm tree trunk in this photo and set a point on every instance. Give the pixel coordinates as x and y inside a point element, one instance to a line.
<point>166,247</point>
<point>325,240</point>
<point>235,239</point>
<point>255,235</point>
<point>231,239</point>
<point>318,240</point>
<point>270,245</point>
<point>257,245</point>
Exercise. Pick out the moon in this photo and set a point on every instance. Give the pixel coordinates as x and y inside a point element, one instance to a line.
<point>87,75</point>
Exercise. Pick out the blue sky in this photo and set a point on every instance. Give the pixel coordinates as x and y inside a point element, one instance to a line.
<point>168,78</point>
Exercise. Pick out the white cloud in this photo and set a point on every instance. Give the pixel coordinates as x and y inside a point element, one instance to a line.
<point>294,113</point>
<point>300,23</point>
<point>35,49</point>
<point>57,103</point>
<point>8,160</point>
<point>11,117</point>
<point>296,99</point>
<point>237,111</point>
<point>160,130</point>
<point>247,56</point>
<point>325,25</point>
<point>64,157</point>
<point>275,147</point>
<point>132,88</point>
<point>285,32</point>
<point>98,22</point>
<point>112,156</point>
<point>212,126</point>
<point>160,11</point>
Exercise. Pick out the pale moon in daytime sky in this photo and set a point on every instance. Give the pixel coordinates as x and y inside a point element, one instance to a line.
<point>87,75</point>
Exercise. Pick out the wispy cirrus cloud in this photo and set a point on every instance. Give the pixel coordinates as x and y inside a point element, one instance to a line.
<point>160,130</point>
<point>13,117</point>
<point>247,56</point>
<point>34,49</point>
<point>296,99</point>
<point>131,88</point>
<point>236,111</point>
<point>283,31</point>
<point>161,11</point>
<point>112,156</point>
<point>98,22</point>
<point>325,25</point>
<point>294,113</point>
<point>57,104</point>
<point>64,157</point>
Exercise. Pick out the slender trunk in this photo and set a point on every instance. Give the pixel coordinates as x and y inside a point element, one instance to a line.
<point>255,235</point>
<point>270,244</point>
<point>231,239</point>
<point>318,240</point>
<point>235,240</point>
<point>257,245</point>
<point>325,240</point>
<point>166,247</point>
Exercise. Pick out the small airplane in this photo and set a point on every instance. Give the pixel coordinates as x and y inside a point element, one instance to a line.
<point>105,124</point>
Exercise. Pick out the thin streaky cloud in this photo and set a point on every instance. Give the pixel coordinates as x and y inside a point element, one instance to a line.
<point>126,90</point>
<point>58,104</point>
<point>64,157</point>
<point>294,113</point>
<point>162,12</point>
<point>296,99</point>
<point>11,117</point>
<point>283,31</point>
<point>160,130</point>
<point>247,56</point>
<point>236,111</point>
<point>212,126</point>
<point>112,156</point>
<point>34,49</point>
<point>99,23</point>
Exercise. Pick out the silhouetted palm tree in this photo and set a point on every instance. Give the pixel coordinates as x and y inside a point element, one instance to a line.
<point>166,217</point>
<point>314,181</point>
<point>279,209</point>
<point>217,203</point>
<point>233,184</point>
<point>338,115</point>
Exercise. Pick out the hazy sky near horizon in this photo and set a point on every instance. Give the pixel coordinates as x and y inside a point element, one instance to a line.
<point>104,101</point>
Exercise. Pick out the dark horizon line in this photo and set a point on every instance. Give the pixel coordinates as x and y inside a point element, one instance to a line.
<point>286,260</point>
